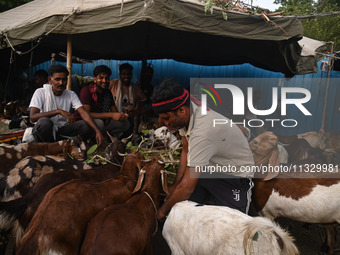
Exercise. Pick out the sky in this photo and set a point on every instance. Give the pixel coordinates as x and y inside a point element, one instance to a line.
<point>266,4</point>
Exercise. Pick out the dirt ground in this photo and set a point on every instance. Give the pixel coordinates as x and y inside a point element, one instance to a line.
<point>309,238</point>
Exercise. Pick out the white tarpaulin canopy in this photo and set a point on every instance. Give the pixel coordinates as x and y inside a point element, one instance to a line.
<point>311,53</point>
<point>149,29</point>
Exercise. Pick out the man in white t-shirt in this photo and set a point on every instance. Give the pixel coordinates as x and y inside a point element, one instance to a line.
<point>50,108</point>
<point>205,147</point>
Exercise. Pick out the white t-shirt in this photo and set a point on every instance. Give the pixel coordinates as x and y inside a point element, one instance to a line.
<point>66,101</point>
<point>220,145</point>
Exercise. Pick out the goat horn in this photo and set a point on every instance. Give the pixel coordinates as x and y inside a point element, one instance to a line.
<point>164,178</point>
<point>139,181</point>
<point>125,140</point>
<point>122,154</point>
<point>147,160</point>
<point>66,148</point>
<point>113,139</point>
<point>161,162</point>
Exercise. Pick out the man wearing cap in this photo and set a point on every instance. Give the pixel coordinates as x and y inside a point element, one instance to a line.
<point>204,147</point>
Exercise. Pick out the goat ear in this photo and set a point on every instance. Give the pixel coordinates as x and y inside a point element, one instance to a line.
<point>164,178</point>
<point>139,181</point>
<point>66,148</point>
<point>127,139</point>
<point>274,161</point>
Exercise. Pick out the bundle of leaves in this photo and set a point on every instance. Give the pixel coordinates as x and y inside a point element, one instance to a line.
<point>148,147</point>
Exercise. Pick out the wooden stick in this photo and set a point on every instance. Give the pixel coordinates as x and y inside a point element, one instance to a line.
<point>69,60</point>
<point>309,16</point>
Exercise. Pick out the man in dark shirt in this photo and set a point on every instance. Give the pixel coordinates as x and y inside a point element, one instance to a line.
<point>98,101</point>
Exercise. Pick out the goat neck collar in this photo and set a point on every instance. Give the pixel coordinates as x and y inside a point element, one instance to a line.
<point>154,206</point>
<point>153,203</point>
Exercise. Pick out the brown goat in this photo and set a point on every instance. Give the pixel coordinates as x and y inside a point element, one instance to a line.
<point>24,208</point>
<point>11,109</point>
<point>28,171</point>
<point>60,221</point>
<point>310,200</point>
<point>128,228</point>
<point>11,154</point>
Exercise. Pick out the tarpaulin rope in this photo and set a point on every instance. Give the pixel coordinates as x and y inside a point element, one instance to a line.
<point>65,18</point>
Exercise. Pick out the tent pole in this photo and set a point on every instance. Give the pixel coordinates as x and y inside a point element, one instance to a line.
<point>69,60</point>
<point>324,115</point>
<point>52,58</point>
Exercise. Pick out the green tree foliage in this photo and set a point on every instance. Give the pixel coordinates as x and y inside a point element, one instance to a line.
<point>325,28</point>
<point>9,4</point>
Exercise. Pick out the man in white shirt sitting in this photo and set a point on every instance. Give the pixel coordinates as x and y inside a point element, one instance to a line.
<point>50,108</point>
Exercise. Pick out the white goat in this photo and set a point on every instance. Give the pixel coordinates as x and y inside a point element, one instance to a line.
<point>200,230</point>
<point>169,140</point>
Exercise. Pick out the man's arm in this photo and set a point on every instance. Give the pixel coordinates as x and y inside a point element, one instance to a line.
<point>183,186</point>
<point>89,121</point>
<point>114,108</point>
<point>139,101</point>
<point>135,109</point>
<point>106,115</point>
<point>182,192</point>
<point>183,163</point>
<point>35,114</point>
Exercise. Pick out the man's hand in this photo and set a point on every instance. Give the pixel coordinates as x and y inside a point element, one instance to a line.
<point>161,214</point>
<point>120,116</point>
<point>99,138</point>
<point>67,115</point>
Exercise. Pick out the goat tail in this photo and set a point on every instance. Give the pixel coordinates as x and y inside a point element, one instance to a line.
<point>262,233</point>
<point>10,211</point>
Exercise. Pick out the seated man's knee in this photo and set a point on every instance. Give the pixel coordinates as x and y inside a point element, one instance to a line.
<point>43,130</point>
<point>99,123</point>
<point>44,123</point>
<point>125,125</point>
<point>84,129</point>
